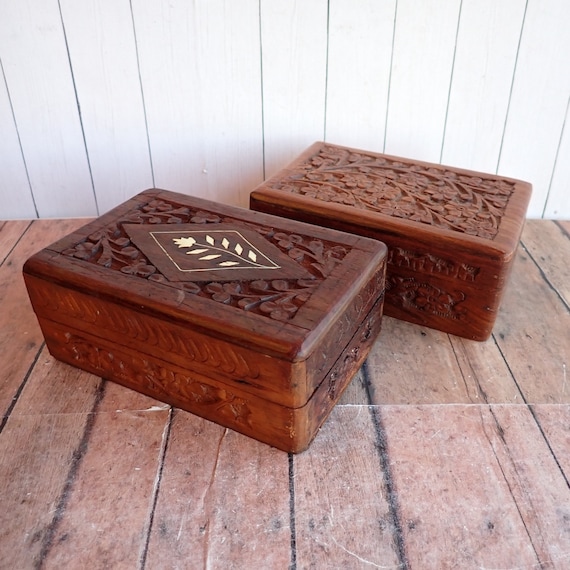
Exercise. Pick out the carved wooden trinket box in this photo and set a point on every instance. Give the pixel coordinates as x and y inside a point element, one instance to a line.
<point>451,233</point>
<point>252,321</point>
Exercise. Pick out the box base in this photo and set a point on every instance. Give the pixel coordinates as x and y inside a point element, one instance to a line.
<point>288,429</point>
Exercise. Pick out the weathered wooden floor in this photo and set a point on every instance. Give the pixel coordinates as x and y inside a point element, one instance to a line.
<point>444,453</point>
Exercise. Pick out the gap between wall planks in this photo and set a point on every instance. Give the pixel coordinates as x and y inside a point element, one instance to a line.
<point>451,454</point>
<point>207,99</point>
<point>43,99</point>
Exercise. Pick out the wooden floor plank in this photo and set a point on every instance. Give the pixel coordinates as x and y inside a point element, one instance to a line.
<point>36,455</point>
<point>342,513</point>
<point>10,233</point>
<point>223,501</point>
<point>477,487</point>
<point>405,365</point>
<point>564,225</point>
<point>20,335</point>
<point>95,475</point>
<point>486,374</point>
<point>549,246</point>
<point>56,388</point>
<point>40,446</point>
<point>533,332</point>
<point>554,421</point>
<point>537,484</point>
<point>105,519</point>
<point>62,408</point>
<point>356,392</point>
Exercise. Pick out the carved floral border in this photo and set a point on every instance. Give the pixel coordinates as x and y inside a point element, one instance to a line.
<point>432,195</point>
<point>277,299</point>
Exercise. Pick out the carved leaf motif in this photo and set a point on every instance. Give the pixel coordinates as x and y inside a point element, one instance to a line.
<point>425,194</point>
<point>112,248</point>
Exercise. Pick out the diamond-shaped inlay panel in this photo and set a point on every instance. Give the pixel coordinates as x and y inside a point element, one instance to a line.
<point>219,251</point>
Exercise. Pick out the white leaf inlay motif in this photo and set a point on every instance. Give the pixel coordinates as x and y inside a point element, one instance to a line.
<point>229,253</point>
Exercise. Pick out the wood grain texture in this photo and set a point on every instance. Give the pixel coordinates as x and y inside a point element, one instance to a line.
<point>33,445</point>
<point>15,193</point>
<point>479,95</point>
<point>103,56</point>
<point>10,234</point>
<point>100,525</point>
<point>538,85</point>
<point>294,55</point>
<point>547,244</point>
<point>554,422</point>
<point>358,72</point>
<point>44,434</point>
<point>398,372</point>
<point>496,453</point>
<point>339,516</point>
<point>93,474</point>
<point>422,58</point>
<point>20,338</point>
<point>224,501</point>
<point>37,72</point>
<point>541,380</point>
<point>201,78</point>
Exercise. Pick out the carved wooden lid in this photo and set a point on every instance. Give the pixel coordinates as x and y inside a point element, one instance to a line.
<point>365,184</point>
<point>244,275</point>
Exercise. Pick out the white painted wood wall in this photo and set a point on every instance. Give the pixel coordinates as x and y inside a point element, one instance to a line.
<point>100,99</point>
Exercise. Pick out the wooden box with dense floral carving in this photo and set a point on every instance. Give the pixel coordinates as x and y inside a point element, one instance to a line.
<point>252,321</point>
<point>451,233</point>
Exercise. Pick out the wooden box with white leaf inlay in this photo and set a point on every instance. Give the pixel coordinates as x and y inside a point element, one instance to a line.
<point>252,321</point>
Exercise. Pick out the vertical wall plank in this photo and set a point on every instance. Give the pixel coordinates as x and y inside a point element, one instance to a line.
<point>359,58</point>
<point>37,72</point>
<point>201,77</point>
<point>421,74</point>
<point>103,57</point>
<point>558,201</point>
<point>15,193</point>
<point>485,58</point>
<point>539,98</point>
<point>294,51</point>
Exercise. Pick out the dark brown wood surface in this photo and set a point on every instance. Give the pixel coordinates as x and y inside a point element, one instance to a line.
<point>133,303</point>
<point>442,453</point>
<point>451,233</point>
